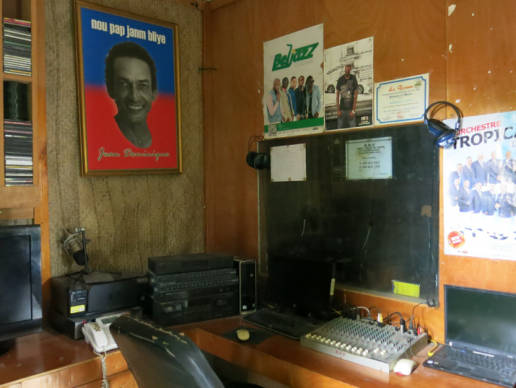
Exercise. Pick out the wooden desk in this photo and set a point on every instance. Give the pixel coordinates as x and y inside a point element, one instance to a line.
<point>48,359</point>
<point>286,361</point>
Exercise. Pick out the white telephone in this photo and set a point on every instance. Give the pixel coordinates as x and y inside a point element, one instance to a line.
<point>97,333</point>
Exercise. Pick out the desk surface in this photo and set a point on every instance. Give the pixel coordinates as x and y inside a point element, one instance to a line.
<point>44,359</point>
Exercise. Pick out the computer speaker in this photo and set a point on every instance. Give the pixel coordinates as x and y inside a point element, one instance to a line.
<point>246,270</point>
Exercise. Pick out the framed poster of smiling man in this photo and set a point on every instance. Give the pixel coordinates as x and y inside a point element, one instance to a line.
<point>128,84</point>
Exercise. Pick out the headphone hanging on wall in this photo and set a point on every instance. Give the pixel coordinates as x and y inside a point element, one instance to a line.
<point>445,136</point>
<point>256,160</point>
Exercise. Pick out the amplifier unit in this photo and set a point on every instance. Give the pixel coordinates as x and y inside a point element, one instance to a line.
<point>246,270</point>
<point>178,312</point>
<point>189,263</point>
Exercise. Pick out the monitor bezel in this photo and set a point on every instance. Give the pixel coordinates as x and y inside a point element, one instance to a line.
<point>466,345</point>
<point>33,325</point>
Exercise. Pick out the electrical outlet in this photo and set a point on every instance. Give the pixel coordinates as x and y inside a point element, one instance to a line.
<point>432,303</point>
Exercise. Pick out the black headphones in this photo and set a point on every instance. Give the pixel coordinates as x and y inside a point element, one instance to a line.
<point>257,160</point>
<point>445,136</point>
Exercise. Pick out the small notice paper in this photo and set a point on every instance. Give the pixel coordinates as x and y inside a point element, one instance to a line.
<point>369,158</point>
<point>288,163</point>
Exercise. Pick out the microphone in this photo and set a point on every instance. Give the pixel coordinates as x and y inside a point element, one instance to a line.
<point>74,245</point>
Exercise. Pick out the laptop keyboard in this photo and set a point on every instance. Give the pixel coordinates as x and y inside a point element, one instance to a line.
<point>287,325</point>
<point>497,364</point>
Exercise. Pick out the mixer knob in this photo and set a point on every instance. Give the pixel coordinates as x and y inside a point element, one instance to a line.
<point>342,346</point>
<point>348,347</point>
<point>332,343</point>
<point>308,336</point>
<point>337,344</point>
<point>376,350</point>
<point>354,348</point>
<point>382,352</point>
<point>327,341</point>
<point>365,352</point>
<point>359,350</point>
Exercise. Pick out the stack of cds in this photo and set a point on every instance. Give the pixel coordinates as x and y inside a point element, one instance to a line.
<point>17,47</point>
<point>17,135</point>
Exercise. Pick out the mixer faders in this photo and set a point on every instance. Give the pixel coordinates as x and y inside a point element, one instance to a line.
<point>364,342</point>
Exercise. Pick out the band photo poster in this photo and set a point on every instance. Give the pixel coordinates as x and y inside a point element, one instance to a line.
<point>479,176</point>
<point>127,74</point>
<point>293,100</point>
<point>348,85</point>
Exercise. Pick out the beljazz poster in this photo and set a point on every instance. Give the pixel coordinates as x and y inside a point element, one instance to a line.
<point>293,100</point>
<point>348,85</point>
<point>479,175</point>
<point>128,93</point>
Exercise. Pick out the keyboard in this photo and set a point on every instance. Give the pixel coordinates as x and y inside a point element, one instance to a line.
<point>498,364</point>
<point>289,325</point>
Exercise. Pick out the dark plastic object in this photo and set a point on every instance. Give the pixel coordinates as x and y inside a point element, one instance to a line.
<point>162,358</point>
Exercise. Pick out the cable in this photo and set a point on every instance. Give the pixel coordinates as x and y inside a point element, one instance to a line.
<point>364,308</point>
<point>253,139</point>
<point>105,382</point>
<point>338,312</point>
<point>374,307</point>
<point>390,315</point>
<point>419,304</point>
<point>432,351</point>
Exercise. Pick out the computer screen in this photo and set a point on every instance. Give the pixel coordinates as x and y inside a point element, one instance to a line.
<point>482,318</point>
<point>301,285</point>
<point>20,281</point>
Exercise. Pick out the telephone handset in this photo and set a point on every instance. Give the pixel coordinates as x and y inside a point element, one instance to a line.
<point>97,333</point>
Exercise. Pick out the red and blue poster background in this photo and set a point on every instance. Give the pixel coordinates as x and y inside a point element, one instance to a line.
<point>106,146</point>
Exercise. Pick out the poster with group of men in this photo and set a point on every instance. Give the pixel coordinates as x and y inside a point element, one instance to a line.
<point>479,175</point>
<point>309,90</point>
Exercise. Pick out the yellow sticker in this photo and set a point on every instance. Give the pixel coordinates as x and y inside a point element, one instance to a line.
<point>77,309</point>
<point>407,289</point>
<point>332,287</point>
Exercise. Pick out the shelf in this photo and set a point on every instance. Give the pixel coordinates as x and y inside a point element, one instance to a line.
<point>16,214</point>
<point>18,78</point>
<point>19,197</point>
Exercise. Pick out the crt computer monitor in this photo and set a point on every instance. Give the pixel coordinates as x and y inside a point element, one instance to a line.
<point>20,282</point>
<point>301,285</point>
<point>482,318</point>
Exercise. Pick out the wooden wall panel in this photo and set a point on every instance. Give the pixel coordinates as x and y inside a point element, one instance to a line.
<point>481,79</point>
<point>470,55</point>
<point>128,219</point>
<point>409,39</point>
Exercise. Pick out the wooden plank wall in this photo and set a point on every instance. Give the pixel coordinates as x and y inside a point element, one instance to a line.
<point>470,55</point>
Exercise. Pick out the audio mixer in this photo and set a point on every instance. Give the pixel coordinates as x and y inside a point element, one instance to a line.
<point>365,342</point>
